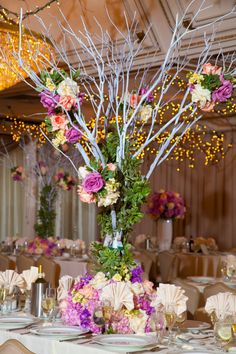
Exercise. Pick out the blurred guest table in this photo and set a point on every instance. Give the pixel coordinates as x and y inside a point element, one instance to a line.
<point>72,266</point>
<point>202,282</point>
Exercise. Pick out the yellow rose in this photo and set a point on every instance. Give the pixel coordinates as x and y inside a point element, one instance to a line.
<point>49,84</point>
<point>117,277</point>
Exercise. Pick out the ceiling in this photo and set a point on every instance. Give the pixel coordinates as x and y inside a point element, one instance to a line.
<point>160,14</point>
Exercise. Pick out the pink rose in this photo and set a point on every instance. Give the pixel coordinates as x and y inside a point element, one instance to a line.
<point>86,197</point>
<point>67,102</point>
<point>111,167</point>
<point>224,92</point>
<point>208,106</point>
<point>59,122</point>
<point>19,169</point>
<point>134,100</point>
<point>148,287</point>
<point>93,182</point>
<point>87,291</point>
<point>211,69</point>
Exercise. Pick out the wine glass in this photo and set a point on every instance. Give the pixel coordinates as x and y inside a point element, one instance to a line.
<point>170,318</point>
<point>49,302</point>
<point>98,318</point>
<point>231,271</point>
<point>180,319</point>
<point>158,324</point>
<point>222,333</point>
<point>3,294</point>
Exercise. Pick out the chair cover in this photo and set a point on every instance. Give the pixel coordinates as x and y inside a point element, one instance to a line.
<point>12,346</point>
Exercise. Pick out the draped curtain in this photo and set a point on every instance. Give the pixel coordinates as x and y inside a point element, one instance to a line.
<point>18,205</point>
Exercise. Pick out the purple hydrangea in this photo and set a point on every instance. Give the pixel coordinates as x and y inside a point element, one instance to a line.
<point>136,275</point>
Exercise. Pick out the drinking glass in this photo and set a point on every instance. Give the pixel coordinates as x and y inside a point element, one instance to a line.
<point>3,294</point>
<point>158,324</point>
<point>98,318</point>
<point>170,318</point>
<point>231,271</point>
<point>180,319</point>
<point>49,302</point>
<point>222,333</point>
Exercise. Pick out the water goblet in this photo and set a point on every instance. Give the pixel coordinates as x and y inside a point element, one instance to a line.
<point>230,271</point>
<point>98,318</point>
<point>158,324</point>
<point>3,295</point>
<point>49,302</point>
<point>222,333</point>
<point>170,318</point>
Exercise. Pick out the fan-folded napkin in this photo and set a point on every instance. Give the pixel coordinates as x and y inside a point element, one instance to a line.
<point>30,276</point>
<point>119,295</point>
<point>65,284</point>
<point>170,294</point>
<point>223,304</point>
<point>9,279</point>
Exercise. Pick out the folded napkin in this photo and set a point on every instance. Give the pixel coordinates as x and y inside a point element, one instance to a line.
<point>119,295</point>
<point>170,294</point>
<point>29,276</point>
<point>65,284</point>
<point>230,260</point>
<point>222,304</point>
<point>9,279</point>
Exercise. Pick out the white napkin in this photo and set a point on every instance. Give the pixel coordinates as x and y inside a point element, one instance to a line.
<point>65,284</point>
<point>221,303</point>
<point>170,294</point>
<point>10,278</point>
<point>231,260</point>
<point>118,294</point>
<point>29,276</point>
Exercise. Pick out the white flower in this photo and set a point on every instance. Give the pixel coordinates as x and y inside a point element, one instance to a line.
<point>99,281</point>
<point>145,113</point>
<point>68,87</point>
<point>138,322</point>
<point>60,138</point>
<point>109,199</point>
<point>83,172</point>
<point>137,288</point>
<point>112,185</point>
<point>201,95</point>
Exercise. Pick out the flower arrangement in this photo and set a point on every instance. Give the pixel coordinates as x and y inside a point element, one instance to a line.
<point>211,86</point>
<point>125,302</point>
<point>17,173</point>
<point>64,181</point>
<point>61,97</point>
<point>166,205</point>
<point>209,242</point>
<point>40,246</point>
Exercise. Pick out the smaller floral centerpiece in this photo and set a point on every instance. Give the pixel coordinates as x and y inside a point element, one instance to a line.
<point>42,246</point>
<point>208,242</point>
<point>17,173</point>
<point>64,181</point>
<point>124,302</point>
<point>210,87</point>
<point>166,205</point>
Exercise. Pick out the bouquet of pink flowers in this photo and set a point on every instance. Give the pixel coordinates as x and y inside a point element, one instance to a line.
<point>211,86</point>
<point>166,205</point>
<point>44,246</point>
<point>65,181</point>
<point>125,305</point>
<point>17,173</point>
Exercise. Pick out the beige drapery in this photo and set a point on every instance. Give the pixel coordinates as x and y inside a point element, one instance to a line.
<point>210,195</point>
<point>18,206</point>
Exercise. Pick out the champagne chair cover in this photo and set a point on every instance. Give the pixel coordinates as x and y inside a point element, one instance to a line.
<point>51,269</point>
<point>6,263</point>
<point>193,295</point>
<point>12,346</point>
<point>168,263</point>
<point>24,262</point>
<point>146,264</point>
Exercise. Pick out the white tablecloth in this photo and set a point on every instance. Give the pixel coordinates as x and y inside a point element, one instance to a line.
<point>72,267</point>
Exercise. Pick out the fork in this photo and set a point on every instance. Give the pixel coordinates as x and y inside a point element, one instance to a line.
<point>154,349</point>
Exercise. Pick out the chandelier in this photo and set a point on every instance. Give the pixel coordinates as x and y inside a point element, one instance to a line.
<point>35,52</point>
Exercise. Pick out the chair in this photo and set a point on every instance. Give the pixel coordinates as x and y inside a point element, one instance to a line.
<point>168,263</point>
<point>13,346</point>
<point>193,295</point>
<point>51,269</point>
<point>146,264</point>
<point>6,263</point>
<point>24,262</point>
<point>187,265</point>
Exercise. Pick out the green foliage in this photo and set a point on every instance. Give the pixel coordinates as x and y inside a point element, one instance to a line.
<point>46,214</point>
<point>112,261</point>
<point>211,82</point>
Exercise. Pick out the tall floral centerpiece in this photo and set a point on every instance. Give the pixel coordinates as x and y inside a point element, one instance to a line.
<point>164,207</point>
<point>127,121</point>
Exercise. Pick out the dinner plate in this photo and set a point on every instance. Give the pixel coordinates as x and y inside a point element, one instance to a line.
<point>203,280</point>
<point>125,340</point>
<point>58,331</point>
<point>194,325</point>
<point>9,322</point>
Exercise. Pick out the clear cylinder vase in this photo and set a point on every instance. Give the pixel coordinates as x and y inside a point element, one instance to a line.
<point>164,234</point>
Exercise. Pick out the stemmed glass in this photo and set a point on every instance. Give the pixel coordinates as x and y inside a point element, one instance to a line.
<point>170,318</point>
<point>158,324</point>
<point>222,333</point>
<point>98,318</point>
<point>3,294</point>
<point>180,319</point>
<point>49,302</point>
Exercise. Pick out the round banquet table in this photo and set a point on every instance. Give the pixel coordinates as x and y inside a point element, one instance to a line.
<point>72,267</point>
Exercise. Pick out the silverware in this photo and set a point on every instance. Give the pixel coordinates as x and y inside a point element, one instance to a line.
<point>153,349</point>
<point>89,337</point>
<point>31,325</point>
